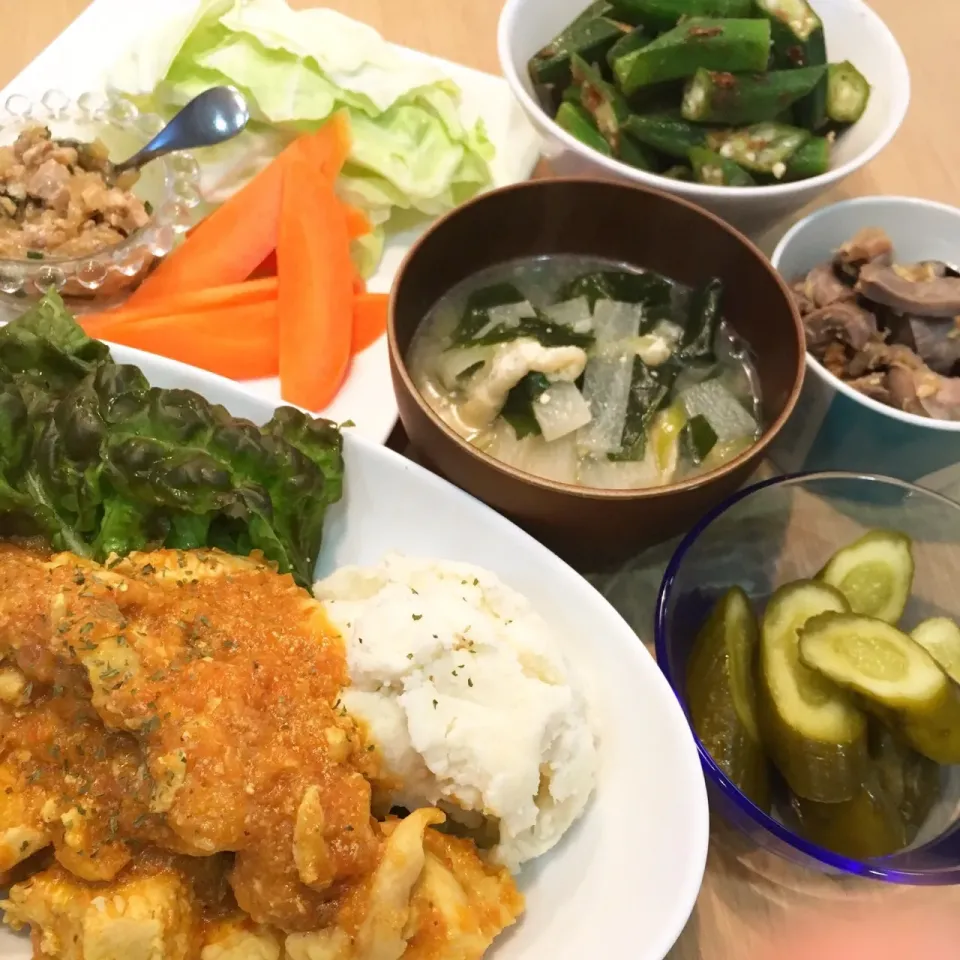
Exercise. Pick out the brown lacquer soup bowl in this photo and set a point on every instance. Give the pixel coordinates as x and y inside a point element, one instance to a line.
<point>598,221</point>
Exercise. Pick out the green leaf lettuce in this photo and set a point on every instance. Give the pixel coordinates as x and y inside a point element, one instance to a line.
<point>100,462</point>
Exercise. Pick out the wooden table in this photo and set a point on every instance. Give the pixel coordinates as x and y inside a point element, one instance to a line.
<point>746,895</point>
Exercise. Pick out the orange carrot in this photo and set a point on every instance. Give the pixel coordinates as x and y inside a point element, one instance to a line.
<point>240,342</point>
<point>194,301</point>
<point>315,297</point>
<point>358,225</point>
<point>369,319</point>
<point>229,244</point>
<point>326,150</point>
<point>237,323</point>
<point>267,268</point>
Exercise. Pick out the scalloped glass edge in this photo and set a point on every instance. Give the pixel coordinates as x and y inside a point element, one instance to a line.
<point>112,270</point>
<point>885,869</point>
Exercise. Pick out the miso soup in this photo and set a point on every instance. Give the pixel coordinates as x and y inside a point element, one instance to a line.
<point>589,372</point>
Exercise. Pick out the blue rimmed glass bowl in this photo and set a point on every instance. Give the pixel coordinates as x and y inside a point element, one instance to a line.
<point>170,185</point>
<point>781,530</point>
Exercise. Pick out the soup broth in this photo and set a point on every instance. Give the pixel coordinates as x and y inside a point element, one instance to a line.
<point>589,372</point>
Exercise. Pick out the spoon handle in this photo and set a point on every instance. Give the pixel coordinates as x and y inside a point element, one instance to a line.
<point>209,118</point>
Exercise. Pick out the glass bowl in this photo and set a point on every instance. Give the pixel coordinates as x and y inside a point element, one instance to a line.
<point>785,529</point>
<point>169,185</point>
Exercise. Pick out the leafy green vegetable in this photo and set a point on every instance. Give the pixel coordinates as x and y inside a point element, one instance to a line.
<point>649,389</point>
<point>410,149</point>
<point>518,410</point>
<point>697,439</point>
<point>537,328</point>
<point>653,291</point>
<point>101,462</point>
<point>476,317</point>
<point>703,321</point>
<point>476,313</point>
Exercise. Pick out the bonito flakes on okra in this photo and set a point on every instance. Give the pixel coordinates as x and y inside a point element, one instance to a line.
<point>729,93</point>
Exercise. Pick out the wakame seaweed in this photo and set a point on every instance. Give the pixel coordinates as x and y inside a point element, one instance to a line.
<point>475,327</point>
<point>518,409</point>
<point>703,321</point>
<point>654,292</point>
<point>649,391</point>
<point>100,462</point>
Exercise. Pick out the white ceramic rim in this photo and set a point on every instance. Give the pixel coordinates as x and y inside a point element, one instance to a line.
<point>694,191</point>
<point>232,395</point>
<point>949,426</point>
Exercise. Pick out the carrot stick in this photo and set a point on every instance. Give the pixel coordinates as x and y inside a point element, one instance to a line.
<point>315,297</point>
<point>267,268</point>
<point>369,319</point>
<point>253,321</point>
<point>229,244</point>
<point>194,301</point>
<point>241,342</point>
<point>357,223</point>
<point>326,150</point>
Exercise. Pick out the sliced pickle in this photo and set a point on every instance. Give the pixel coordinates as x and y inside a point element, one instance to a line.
<point>722,696</point>
<point>886,667</point>
<point>937,736</point>
<point>813,731</point>
<point>940,637</point>
<point>875,574</point>
<point>911,781</point>
<point>869,825</point>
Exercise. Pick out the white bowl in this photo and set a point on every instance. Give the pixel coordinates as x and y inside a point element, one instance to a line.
<point>624,880</point>
<point>853,32</point>
<point>834,426</point>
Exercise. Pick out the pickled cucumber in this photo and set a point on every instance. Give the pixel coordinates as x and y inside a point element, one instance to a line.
<point>885,666</point>
<point>814,733</point>
<point>940,637</point>
<point>900,788</point>
<point>869,825</point>
<point>721,695</point>
<point>875,574</point>
<point>911,781</point>
<point>937,737</point>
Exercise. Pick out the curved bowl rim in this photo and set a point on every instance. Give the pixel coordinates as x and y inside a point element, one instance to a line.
<point>874,868</point>
<point>926,423</point>
<point>703,192</point>
<point>399,365</point>
<point>230,392</point>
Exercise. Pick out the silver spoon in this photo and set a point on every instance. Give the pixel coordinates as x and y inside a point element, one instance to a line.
<point>216,115</point>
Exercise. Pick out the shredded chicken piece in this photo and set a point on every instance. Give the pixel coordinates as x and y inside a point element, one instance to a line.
<point>510,363</point>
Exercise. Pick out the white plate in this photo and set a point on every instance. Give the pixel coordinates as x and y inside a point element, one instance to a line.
<point>80,60</point>
<point>622,883</point>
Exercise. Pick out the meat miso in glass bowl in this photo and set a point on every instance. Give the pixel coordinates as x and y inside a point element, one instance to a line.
<point>69,223</point>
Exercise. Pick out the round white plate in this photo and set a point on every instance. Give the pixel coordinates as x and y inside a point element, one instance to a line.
<point>622,883</point>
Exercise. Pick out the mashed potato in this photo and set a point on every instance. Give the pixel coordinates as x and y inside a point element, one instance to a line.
<point>465,692</point>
